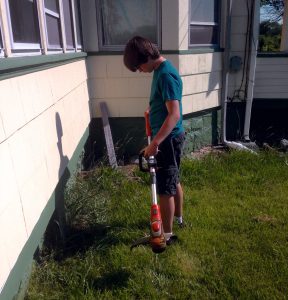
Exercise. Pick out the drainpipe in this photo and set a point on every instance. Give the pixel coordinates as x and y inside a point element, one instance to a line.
<point>254,29</point>
<point>225,81</point>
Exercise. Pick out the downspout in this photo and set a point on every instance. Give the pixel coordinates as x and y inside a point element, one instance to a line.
<point>225,81</point>
<point>254,29</point>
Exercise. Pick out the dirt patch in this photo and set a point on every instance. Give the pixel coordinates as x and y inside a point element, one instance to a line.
<point>207,150</point>
<point>265,219</point>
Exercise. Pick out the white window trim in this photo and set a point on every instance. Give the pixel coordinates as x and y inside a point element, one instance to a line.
<point>121,47</point>
<point>21,46</point>
<point>62,25</point>
<point>204,23</point>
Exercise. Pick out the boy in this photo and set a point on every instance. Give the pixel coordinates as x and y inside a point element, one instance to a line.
<point>166,124</point>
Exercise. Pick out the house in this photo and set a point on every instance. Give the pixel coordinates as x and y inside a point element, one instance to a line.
<point>61,58</point>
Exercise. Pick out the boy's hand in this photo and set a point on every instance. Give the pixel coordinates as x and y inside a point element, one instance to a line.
<point>150,150</point>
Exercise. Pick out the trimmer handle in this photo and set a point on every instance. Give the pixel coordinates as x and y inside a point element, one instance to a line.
<point>147,124</point>
<point>151,162</point>
<point>141,166</point>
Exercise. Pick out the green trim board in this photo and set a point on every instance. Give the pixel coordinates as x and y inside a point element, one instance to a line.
<point>177,52</point>
<point>17,281</point>
<point>273,54</point>
<point>16,66</point>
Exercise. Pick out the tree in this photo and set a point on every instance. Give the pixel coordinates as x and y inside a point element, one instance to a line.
<point>270,28</point>
<point>274,9</point>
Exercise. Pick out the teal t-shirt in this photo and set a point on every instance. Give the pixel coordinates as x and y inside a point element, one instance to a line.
<point>166,85</point>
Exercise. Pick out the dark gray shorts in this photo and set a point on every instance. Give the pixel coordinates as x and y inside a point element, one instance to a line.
<point>168,164</point>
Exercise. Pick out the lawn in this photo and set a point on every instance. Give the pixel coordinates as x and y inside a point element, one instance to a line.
<point>235,244</point>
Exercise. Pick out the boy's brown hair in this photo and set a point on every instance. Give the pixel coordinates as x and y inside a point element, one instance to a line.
<point>137,52</point>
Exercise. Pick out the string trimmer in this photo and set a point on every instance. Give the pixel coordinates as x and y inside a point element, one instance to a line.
<point>156,239</point>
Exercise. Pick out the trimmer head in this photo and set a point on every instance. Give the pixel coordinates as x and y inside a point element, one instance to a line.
<point>158,244</point>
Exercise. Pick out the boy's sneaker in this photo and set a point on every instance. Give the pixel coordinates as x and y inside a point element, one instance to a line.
<point>173,238</point>
<point>181,224</point>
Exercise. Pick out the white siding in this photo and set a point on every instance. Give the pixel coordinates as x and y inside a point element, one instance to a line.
<point>271,78</point>
<point>43,117</point>
<point>127,93</point>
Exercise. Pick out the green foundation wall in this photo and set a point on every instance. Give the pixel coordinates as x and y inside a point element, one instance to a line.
<point>129,138</point>
<point>202,129</point>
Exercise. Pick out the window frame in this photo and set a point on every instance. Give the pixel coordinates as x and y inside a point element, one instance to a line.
<point>121,47</point>
<point>216,25</point>
<point>18,48</point>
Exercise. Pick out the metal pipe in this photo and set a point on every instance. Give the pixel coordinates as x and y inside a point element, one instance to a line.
<point>254,28</point>
<point>225,81</point>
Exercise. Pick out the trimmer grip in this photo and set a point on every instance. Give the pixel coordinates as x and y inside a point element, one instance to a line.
<point>147,124</point>
<point>141,167</point>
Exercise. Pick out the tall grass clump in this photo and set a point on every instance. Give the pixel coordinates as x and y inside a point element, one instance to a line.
<point>235,244</point>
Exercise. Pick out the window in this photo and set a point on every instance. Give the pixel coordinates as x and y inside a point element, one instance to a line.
<point>273,27</point>
<point>53,24</point>
<point>57,30</point>
<point>118,21</point>
<point>204,22</point>
<point>24,26</point>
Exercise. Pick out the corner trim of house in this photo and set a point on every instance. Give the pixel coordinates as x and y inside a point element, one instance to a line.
<point>18,279</point>
<point>17,66</point>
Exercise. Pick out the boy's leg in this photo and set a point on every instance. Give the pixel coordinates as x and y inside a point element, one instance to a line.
<point>167,208</point>
<point>178,198</point>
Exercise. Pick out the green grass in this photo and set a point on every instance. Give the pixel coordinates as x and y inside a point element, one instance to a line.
<point>234,247</point>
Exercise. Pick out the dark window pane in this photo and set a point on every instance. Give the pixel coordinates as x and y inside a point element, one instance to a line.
<point>78,22</point>
<point>52,5</point>
<point>203,11</point>
<point>53,28</point>
<point>203,35</point>
<point>68,23</point>
<point>24,21</point>
<point>1,43</point>
<point>123,19</point>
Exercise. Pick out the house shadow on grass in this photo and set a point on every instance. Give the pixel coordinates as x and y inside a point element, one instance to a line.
<point>78,241</point>
<point>110,280</point>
